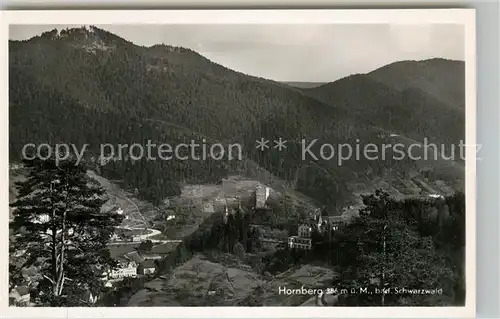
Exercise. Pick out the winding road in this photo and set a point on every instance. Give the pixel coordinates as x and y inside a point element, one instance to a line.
<point>154,241</point>
<point>143,237</point>
<point>149,232</point>
<point>116,192</point>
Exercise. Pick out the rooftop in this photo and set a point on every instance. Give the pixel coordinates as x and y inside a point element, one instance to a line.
<point>148,264</point>
<point>134,256</point>
<point>336,218</point>
<point>22,290</point>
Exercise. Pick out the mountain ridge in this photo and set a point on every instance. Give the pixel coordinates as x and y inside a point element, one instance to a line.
<point>444,79</point>
<point>119,91</point>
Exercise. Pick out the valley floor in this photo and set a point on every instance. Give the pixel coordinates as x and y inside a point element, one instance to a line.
<point>212,278</point>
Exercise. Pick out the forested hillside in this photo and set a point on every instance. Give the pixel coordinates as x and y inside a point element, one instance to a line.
<point>442,79</point>
<point>88,86</point>
<point>399,106</point>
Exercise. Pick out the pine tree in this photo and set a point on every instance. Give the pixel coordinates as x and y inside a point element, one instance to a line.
<point>383,249</point>
<point>59,225</point>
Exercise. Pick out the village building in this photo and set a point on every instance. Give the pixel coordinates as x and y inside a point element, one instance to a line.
<point>140,256</point>
<point>303,240</point>
<point>41,219</point>
<point>126,269</point>
<point>20,296</point>
<point>299,243</point>
<point>147,267</point>
<point>168,214</point>
<point>305,231</point>
<point>323,222</point>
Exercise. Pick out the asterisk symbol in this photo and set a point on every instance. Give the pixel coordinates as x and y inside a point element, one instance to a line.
<point>280,144</point>
<point>262,144</point>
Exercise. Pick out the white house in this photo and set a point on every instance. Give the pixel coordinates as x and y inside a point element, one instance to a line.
<point>45,218</point>
<point>41,219</point>
<point>125,269</point>
<point>303,240</point>
<point>137,238</point>
<point>69,233</point>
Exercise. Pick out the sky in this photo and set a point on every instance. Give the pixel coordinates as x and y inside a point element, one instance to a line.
<point>308,53</point>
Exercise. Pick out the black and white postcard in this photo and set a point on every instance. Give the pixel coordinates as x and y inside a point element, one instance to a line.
<point>191,163</point>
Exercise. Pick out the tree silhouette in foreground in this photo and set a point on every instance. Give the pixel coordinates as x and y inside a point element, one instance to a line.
<point>59,225</point>
<point>383,249</point>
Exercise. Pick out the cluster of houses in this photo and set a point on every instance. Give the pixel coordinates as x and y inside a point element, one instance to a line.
<point>130,269</point>
<point>121,237</point>
<point>127,235</point>
<point>132,265</point>
<point>318,221</point>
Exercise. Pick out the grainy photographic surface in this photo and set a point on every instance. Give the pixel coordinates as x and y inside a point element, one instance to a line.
<point>237,165</point>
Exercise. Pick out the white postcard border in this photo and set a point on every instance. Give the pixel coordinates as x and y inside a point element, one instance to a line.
<point>465,17</point>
